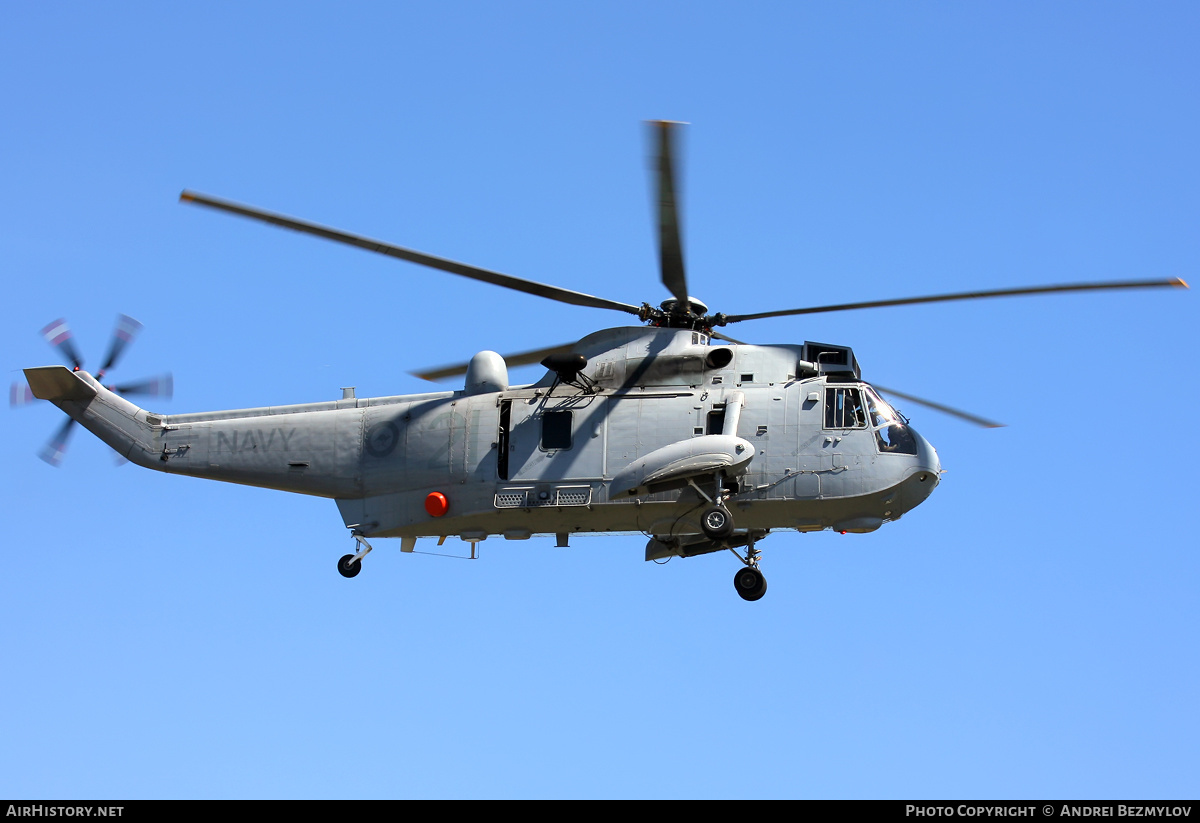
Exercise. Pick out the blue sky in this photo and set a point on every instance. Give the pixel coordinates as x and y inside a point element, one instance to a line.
<point>1029,631</point>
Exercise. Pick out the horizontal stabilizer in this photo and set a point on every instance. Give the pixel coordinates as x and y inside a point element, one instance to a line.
<point>58,383</point>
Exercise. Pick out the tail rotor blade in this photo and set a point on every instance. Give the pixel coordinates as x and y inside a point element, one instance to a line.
<point>127,329</point>
<point>54,450</point>
<point>19,394</point>
<point>161,386</point>
<point>58,335</point>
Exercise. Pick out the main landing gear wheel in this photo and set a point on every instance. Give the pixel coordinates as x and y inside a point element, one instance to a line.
<point>716,523</point>
<point>348,566</point>
<point>750,583</point>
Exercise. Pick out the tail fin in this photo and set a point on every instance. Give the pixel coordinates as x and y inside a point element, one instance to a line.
<point>58,383</point>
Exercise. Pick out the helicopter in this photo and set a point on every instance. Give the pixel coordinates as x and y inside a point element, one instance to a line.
<point>671,428</point>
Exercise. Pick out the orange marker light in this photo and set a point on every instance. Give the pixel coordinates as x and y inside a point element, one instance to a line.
<point>436,504</point>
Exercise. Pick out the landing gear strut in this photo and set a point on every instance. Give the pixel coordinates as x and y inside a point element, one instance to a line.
<point>716,522</point>
<point>351,564</point>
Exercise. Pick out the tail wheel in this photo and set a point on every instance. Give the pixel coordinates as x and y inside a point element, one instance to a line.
<point>348,566</point>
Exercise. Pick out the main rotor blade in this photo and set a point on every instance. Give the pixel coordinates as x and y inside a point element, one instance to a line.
<point>968,295</point>
<point>58,335</point>
<point>54,450</point>
<point>670,243</point>
<point>496,278</point>
<point>524,358</point>
<point>127,329</point>
<point>727,338</point>
<point>962,415</point>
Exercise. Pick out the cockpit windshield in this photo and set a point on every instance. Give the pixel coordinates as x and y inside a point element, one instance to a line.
<point>881,413</point>
<point>892,434</point>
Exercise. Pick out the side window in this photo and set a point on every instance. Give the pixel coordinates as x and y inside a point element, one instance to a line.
<point>715,422</point>
<point>844,409</point>
<point>556,430</point>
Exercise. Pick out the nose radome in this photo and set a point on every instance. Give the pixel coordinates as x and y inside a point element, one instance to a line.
<point>927,456</point>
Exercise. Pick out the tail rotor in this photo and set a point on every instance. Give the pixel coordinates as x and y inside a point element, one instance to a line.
<point>58,334</point>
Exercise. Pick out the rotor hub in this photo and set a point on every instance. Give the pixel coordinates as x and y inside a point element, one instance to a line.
<point>671,316</point>
<point>694,306</point>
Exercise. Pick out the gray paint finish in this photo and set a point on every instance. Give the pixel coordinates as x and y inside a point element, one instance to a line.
<point>380,457</point>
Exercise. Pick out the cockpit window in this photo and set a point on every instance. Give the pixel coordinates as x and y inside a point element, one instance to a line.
<point>844,409</point>
<point>881,413</point>
<point>892,434</point>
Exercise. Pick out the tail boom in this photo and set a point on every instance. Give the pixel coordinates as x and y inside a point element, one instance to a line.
<point>306,450</point>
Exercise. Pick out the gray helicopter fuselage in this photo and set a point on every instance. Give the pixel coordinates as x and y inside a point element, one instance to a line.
<point>635,444</point>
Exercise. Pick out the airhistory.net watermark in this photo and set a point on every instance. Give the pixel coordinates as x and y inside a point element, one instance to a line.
<point>43,810</point>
